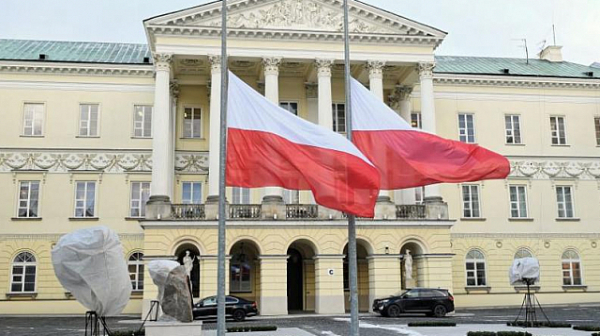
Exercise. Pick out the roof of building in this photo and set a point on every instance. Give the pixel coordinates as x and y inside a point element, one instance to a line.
<point>129,53</point>
<point>595,65</point>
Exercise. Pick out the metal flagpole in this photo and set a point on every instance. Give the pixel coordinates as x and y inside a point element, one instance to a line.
<point>222,158</point>
<point>352,272</point>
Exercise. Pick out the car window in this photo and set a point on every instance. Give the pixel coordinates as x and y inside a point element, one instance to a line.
<point>438,293</point>
<point>411,294</point>
<point>209,301</point>
<point>230,299</point>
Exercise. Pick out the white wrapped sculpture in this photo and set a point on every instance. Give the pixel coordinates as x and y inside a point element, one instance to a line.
<point>524,270</point>
<point>90,264</point>
<point>173,289</point>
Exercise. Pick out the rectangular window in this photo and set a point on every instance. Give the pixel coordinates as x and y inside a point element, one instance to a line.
<point>557,126</point>
<point>192,122</point>
<point>571,273</point>
<point>415,120</point>
<point>85,199</point>
<point>29,193</point>
<point>290,106</point>
<point>142,121</point>
<point>466,128</point>
<point>339,118</point>
<point>513,129</point>
<point>475,273</point>
<point>192,193</point>
<point>564,201</point>
<point>597,126</point>
<point>33,119</point>
<point>240,195</point>
<point>23,279</point>
<point>518,201</point>
<point>89,120</point>
<point>419,195</point>
<point>140,193</point>
<point>471,201</point>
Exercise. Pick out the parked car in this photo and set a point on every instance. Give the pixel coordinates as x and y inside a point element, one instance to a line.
<point>235,307</point>
<point>431,301</point>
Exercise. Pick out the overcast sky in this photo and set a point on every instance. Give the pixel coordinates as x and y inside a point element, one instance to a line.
<point>475,27</point>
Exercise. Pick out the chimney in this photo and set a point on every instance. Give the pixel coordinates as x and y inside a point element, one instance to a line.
<point>551,54</point>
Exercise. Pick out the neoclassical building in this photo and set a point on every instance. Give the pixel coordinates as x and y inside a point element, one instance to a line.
<point>126,136</point>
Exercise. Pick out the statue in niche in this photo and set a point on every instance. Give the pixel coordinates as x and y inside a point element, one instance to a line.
<point>408,265</point>
<point>188,263</point>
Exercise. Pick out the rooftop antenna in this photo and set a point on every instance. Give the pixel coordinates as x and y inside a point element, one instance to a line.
<point>554,34</point>
<point>524,40</point>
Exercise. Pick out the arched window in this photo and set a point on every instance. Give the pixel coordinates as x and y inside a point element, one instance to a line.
<point>571,268</point>
<point>523,253</point>
<point>475,268</point>
<point>24,269</point>
<point>136,271</point>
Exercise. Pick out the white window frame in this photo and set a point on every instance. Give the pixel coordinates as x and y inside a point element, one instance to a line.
<point>140,125</point>
<point>194,185</point>
<point>415,117</point>
<point>85,200</point>
<point>286,103</point>
<point>561,189</point>
<point>476,263</point>
<point>138,199</point>
<point>24,265</point>
<point>558,134</point>
<point>463,132</point>
<point>337,127</point>
<point>571,262</point>
<point>192,129</point>
<point>511,131</point>
<point>136,259</point>
<point>239,195</point>
<point>471,200</point>
<point>87,124</point>
<point>523,253</point>
<point>520,200</point>
<point>419,195</point>
<point>28,200</point>
<point>30,123</point>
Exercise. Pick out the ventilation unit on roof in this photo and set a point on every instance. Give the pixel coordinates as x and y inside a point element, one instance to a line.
<point>147,60</point>
<point>42,57</point>
<point>589,73</point>
<point>506,71</point>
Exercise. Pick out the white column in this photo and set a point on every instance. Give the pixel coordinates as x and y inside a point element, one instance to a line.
<point>405,107</point>
<point>172,144</point>
<point>161,130</point>
<point>214,128</point>
<point>325,98</point>
<point>432,192</point>
<point>271,71</point>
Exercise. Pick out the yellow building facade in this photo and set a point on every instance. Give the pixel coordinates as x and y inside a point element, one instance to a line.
<point>125,136</point>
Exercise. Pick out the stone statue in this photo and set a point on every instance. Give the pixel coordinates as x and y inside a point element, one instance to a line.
<point>408,263</point>
<point>173,289</point>
<point>188,263</point>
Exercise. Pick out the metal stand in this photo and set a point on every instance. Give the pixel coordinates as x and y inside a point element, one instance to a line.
<point>529,304</point>
<point>92,325</point>
<point>154,308</point>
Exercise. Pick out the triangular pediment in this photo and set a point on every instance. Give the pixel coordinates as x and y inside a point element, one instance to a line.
<point>304,15</point>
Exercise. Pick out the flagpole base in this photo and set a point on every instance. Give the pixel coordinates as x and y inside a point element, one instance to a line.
<point>273,207</point>
<point>158,207</point>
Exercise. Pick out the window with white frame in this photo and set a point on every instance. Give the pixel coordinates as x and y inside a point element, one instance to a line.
<point>89,117</point>
<point>33,119</point>
<point>518,201</point>
<point>192,122</point>
<point>415,120</point>
<point>24,269</point>
<point>85,199</point>
<point>419,195</point>
<point>513,128</point>
<point>29,194</point>
<point>140,193</point>
<point>142,121</point>
<point>339,118</point>
<point>135,265</point>
<point>292,107</point>
<point>291,196</point>
<point>597,128</point>
<point>191,193</point>
<point>523,253</point>
<point>471,206</point>
<point>240,195</point>
<point>564,201</point>
<point>571,268</point>
<point>557,127</point>
<point>475,268</point>
<point>466,128</point>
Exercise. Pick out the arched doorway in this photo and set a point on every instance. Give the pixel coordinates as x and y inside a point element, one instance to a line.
<point>362,252</point>
<point>301,277</point>
<point>244,270</point>
<point>188,250</point>
<point>411,266</point>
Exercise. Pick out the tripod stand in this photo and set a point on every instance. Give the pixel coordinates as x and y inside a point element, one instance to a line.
<point>92,324</point>
<point>529,304</point>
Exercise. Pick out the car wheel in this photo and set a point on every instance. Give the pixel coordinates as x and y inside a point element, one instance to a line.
<point>393,311</point>
<point>239,315</point>
<point>439,311</point>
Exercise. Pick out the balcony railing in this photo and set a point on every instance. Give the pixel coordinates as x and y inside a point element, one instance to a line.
<point>188,211</point>
<point>411,211</point>
<point>301,211</point>
<point>244,211</point>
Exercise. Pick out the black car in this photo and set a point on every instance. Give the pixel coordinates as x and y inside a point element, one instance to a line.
<point>431,301</point>
<point>235,307</point>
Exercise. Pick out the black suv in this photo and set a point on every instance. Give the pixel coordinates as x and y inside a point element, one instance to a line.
<point>431,301</point>
<point>235,307</point>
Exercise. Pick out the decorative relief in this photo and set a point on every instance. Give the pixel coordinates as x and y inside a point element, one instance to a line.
<point>544,169</point>
<point>401,93</point>
<point>376,67</point>
<point>174,88</point>
<point>426,70</point>
<point>162,61</point>
<point>215,63</point>
<point>271,65</point>
<point>324,66</point>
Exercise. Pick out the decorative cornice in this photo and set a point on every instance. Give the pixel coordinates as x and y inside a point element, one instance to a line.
<point>426,70</point>
<point>549,168</point>
<point>515,81</point>
<point>56,236</point>
<point>77,68</point>
<point>271,65</point>
<point>526,235</point>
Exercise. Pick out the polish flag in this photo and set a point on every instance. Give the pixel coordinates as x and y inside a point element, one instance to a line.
<point>267,146</point>
<point>408,157</point>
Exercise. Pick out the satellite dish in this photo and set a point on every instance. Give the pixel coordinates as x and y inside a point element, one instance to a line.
<point>524,271</point>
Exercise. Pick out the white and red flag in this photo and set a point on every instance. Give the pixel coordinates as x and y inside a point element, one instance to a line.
<point>408,157</point>
<point>267,146</point>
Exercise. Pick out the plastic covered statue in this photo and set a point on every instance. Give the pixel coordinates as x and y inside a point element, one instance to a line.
<point>90,264</point>
<point>524,270</point>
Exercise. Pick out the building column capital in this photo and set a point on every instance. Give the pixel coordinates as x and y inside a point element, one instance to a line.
<point>426,70</point>
<point>215,63</point>
<point>271,65</point>
<point>174,88</point>
<point>375,68</point>
<point>324,66</point>
<point>162,61</point>
<point>403,92</point>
